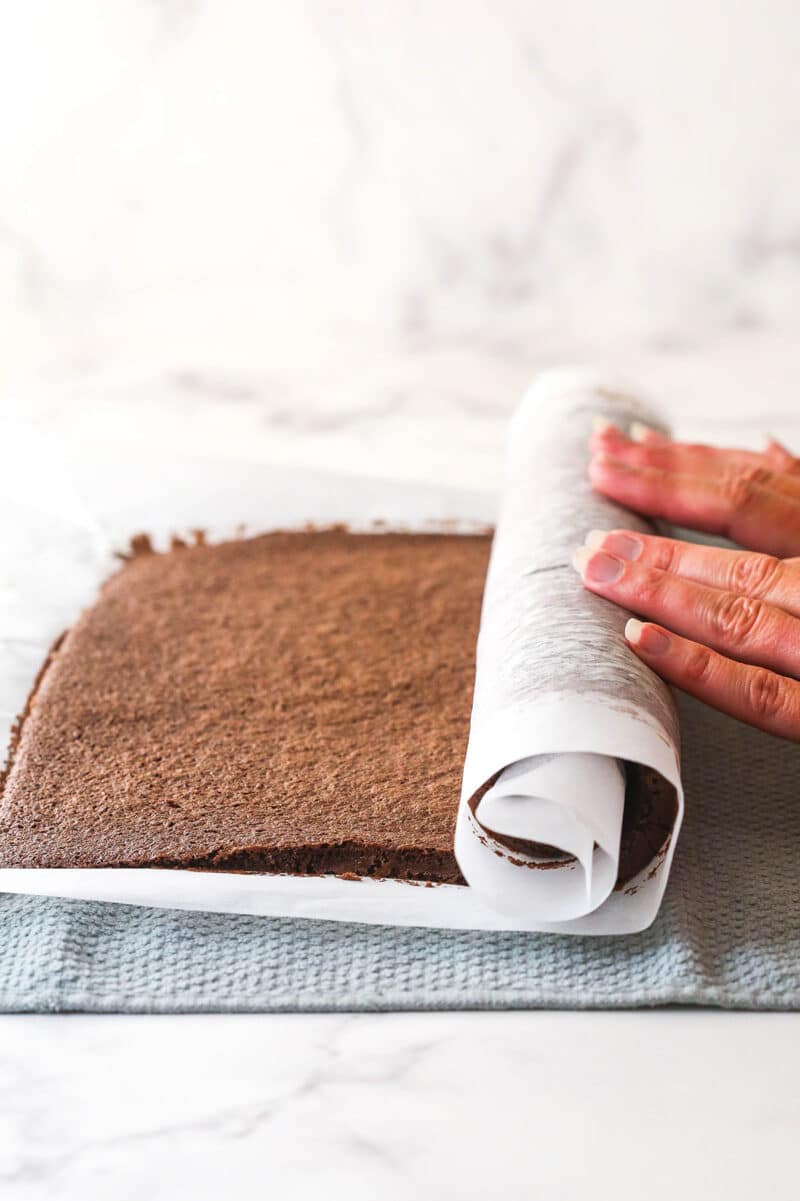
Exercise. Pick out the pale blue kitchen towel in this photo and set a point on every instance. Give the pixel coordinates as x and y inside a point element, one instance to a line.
<point>728,933</point>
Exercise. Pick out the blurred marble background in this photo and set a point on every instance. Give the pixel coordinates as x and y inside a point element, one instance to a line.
<point>348,233</point>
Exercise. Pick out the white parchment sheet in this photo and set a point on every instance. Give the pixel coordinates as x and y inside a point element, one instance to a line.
<point>560,702</point>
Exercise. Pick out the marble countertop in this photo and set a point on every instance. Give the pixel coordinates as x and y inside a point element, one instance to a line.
<point>457,1106</point>
<point>445,1104</point>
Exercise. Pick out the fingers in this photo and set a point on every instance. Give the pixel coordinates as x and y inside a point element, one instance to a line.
<point>743,627</point>
<point>743,572</point>
<point>752,694</point>
<point>647,435</point>
<point>735,615</point>
<point>743,506</point>
<point>650,448</point>
<point>731,469</point>
<point>781,458</point>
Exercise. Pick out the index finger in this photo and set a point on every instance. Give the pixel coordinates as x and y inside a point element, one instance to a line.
<point>653,449</point>
<point>751,506</point>
<point>743,572</point>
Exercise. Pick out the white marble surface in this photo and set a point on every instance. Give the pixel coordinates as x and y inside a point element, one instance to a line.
<point>220,187</point>
<point>347,235</point>
<point>458,1106</point>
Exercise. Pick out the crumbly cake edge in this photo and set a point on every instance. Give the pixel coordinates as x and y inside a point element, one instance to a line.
<point>19,722</point>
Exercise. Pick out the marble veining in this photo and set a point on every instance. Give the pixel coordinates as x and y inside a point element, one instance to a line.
<point>221,189</point>
<point>454,1106</point>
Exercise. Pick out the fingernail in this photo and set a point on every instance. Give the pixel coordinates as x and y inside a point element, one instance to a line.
<point>648,638</point>
<point>647,434</point>
<point>580,559</point>
<point>624,546</point>
<point>596,538</point>
<point>597,566</point>
<point>639,432</point>
<point>602,425</point>
<point>777,448</point>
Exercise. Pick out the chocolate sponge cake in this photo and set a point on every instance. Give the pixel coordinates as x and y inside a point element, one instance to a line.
<point>296,702</point>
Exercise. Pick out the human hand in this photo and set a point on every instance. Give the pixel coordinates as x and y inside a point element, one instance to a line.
<point>724,624</point>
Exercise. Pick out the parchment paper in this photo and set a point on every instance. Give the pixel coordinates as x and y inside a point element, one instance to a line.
<point>557,687</point>
<point>554,678</point>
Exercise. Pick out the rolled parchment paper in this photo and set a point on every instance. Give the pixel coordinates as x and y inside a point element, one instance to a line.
<point>562,708</point>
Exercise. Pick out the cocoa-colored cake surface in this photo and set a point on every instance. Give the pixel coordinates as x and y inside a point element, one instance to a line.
<point>296,702</point>
<point>293,702</point>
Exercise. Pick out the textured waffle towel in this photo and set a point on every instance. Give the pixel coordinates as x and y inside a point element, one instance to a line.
<point>728,933</point>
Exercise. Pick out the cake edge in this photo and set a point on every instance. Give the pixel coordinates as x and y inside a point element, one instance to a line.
<point>18,724</point>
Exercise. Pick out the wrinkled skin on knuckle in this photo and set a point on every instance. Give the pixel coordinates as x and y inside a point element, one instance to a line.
<point>697,664</point>
<point>665,556</point>
<point>754,575</point>
<point>766,693</point>
<point>648,586</point>
<point>733,618</point>
<point>742,485</point>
